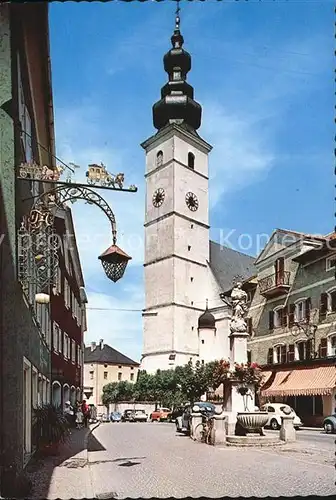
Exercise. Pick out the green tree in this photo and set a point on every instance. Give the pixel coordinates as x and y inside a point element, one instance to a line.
<point>116,392</point>
<point>193,380</point>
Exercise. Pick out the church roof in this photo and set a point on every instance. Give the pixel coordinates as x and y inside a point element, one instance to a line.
<point>227,263</point>
<point>108,355</point>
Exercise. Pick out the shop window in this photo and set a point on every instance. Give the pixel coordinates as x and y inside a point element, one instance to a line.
<point>318,406</point>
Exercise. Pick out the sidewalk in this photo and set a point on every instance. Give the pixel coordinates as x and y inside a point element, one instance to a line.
<point>66,475</point>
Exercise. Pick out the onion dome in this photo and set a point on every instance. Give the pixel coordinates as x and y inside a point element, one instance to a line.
<point>207,320</point>
<point>177,103</point>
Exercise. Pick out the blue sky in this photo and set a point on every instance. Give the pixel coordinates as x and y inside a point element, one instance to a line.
<point>263,72</point>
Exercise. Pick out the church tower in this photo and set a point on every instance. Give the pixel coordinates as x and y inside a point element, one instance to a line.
<point>176,220</point>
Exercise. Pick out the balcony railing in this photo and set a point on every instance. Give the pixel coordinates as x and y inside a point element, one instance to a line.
<point>275,283</point>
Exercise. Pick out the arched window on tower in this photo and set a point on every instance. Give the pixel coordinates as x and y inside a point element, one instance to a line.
<point>191,160</point>
<point>159,159</point>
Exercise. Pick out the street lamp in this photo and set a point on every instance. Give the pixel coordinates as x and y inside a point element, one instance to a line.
<point>114,262</point>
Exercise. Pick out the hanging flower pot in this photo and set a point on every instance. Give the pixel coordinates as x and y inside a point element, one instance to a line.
<point>243,390</point>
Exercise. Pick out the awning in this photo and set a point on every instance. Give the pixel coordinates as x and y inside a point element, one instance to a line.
<point>303,382</point>
<point>266,377</point>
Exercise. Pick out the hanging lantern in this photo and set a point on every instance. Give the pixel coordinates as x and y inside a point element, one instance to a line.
<point>114,262</point>
<point>42,298</point>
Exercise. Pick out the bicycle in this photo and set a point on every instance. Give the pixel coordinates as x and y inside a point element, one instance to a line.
<point>205,430</point>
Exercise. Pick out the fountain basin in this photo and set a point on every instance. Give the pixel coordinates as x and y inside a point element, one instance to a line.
<point>253,421</point>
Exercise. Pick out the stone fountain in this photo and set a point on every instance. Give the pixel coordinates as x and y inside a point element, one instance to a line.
<point>244,422</point>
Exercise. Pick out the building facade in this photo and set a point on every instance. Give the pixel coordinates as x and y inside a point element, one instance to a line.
<point>183,269</point>
<point>103,365</point>
<point>68,313</point>
<point>292,319</point>
<point>26,134</point>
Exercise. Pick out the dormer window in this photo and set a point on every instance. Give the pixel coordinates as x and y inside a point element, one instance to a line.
<point>159,159</point>
<point>191,160</point>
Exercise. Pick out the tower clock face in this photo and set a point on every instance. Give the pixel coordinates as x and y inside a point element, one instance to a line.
<point>191,201</point>
<point>158,197</point>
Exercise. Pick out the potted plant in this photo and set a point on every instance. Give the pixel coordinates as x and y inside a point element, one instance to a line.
<point>51,428</point>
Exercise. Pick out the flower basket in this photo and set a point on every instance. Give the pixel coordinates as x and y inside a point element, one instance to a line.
<point>248,374</point>
<point>51,427</point>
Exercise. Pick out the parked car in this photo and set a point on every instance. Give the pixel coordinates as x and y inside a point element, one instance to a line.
<point>177,412</point>
<point>182,422</point>
<point>127,415</point>
<point>103,417</point>
<point>139,416</point>
<point>275,412</point>
<point>329,424</point>
<point>115,416</point>
<point>160,415</point>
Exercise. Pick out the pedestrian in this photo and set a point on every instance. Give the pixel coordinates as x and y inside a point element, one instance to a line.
<point>69,413</point>
<point>86,412</point>
<point>79,417</point>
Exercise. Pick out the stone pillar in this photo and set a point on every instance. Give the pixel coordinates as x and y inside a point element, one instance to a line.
<point>287,431</point>
<point>238,347</point>
<point>220,425</point>
<point>196,418</point>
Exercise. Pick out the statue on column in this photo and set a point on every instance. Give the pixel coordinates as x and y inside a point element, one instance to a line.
<point>239,309</point>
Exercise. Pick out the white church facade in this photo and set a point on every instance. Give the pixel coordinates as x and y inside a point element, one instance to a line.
<point>185,273</point>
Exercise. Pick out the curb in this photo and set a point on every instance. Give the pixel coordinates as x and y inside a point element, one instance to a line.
<point>86,439</point>
<point>88,480</point>
<point>316,429</point>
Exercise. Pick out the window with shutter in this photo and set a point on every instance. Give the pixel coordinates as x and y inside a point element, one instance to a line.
<point>284,318</point>
<point>270,356</point>
<point>60,341</point>
<point>332,345</point>
<point>323,306</point>
<point>290,353</point>
<point>283,351</point>
<point>279,271</point>
<point>323,348</point>
<point>309,349</point>
<point>333,300</point>
<point>271,320</point>
<point>291,316</point>
<point>308,308</point>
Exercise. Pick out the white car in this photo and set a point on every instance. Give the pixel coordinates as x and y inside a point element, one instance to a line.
<point>275,412</point>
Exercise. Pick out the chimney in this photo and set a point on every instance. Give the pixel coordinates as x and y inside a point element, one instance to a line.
<point>101,343</point>
<point>93,346</point>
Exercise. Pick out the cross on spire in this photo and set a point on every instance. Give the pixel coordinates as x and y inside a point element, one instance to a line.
<point>177,18</point>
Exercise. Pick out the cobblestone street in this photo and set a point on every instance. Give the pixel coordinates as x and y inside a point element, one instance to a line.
<point>151,460</point>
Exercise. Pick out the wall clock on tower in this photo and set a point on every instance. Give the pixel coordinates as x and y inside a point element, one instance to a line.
<point>158,197</point>
<point>191,201</point>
